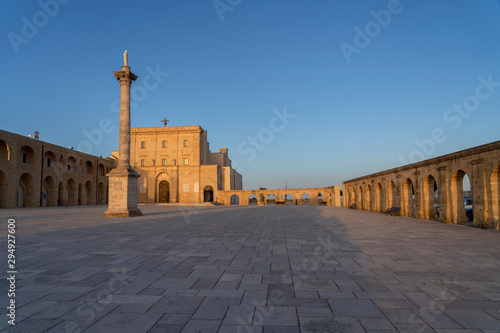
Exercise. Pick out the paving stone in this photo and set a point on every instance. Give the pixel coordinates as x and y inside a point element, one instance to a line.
<point>280,329</point>
<point>354,308</point>
<point>227,285</point>
<point>133,308</point>
<point>314,312</point>
<point>405,327</point>
<point>166,329</point>
<point>279,316</point>
<point>445,330</point>
<point>328,324</point>
<point>210,312</point>
<point>124,323</point>
<point>56,310</point>
<point>174,319</point>
<point>70,326</point>
<point>176,304</point>
<point>224,328</point>
<point>239,315</point>
<point>402,316</point>
<point>255,297</point>
<point>231,277</point>
<point>438,320</point>
<point>252,279</point>
<point>202,326</point>
<point>474,319</point>
<point>376,323</point>
<point>89,312</point>
<point>137,299</point>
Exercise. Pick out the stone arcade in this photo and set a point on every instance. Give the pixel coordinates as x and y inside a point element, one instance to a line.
<point>413,187</point>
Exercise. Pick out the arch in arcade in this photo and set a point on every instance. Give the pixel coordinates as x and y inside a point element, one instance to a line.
<point>306,199</point>
<point>270,199</point>
<point>379,193</point>
<point>101,194</point>
<point>82,199</point>
<point>101,170</point>
<point>361,199</point>
<point>4,151</point>
<point>49,192</point>
<point>26,155</point>
<point>61,200</point>
<point>50,159</point>
<point>89,193</point>
<point>89,168</point>
<point>4,190</point>
<point>71,164</point>
<point>320,198</point>
<point>457,197</point>
<point>72,193</point>
<point>392,195</point>
<point>252,199</point>
<point>26,191</point>
<point>408,198</point>
<point>368,199</point>
<point>429,197</point>
<point>495,197</point>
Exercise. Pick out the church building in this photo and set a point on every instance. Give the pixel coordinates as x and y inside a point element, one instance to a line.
<point>176,165</point>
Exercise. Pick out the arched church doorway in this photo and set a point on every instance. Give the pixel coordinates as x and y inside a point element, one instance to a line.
<point>164,192</point>
<point>208,194</point>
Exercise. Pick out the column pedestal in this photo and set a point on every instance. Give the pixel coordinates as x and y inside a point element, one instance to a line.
<point>123,184</point>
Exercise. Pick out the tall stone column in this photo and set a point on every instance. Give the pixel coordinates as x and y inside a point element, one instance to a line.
<point>123,180</point>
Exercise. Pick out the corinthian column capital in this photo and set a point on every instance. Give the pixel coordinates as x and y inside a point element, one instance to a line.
<point>125,76</point>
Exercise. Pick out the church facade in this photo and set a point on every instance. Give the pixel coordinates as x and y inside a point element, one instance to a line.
<point>177,166</point>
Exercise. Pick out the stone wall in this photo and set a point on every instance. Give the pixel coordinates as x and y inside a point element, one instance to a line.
<point>330,195</point>
<point>36,173</point>
<point>413,187</point>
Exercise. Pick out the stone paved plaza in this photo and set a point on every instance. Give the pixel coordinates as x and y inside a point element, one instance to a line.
<point>249,269</point>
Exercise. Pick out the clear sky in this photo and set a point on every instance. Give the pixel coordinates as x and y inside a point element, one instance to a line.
<point>305,92</point>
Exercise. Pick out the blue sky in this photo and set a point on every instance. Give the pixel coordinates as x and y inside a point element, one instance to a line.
<point>356,102</point>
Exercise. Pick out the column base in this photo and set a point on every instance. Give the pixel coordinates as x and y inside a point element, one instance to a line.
<point>123,213</point>
<point>123,185</point>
